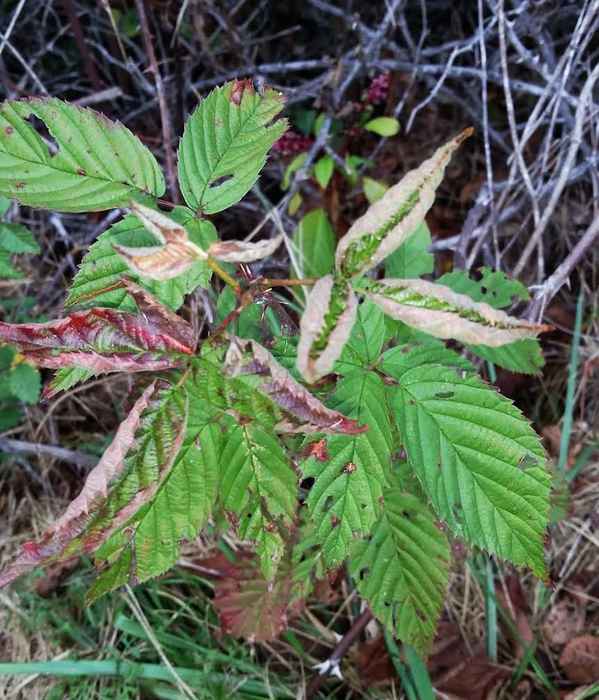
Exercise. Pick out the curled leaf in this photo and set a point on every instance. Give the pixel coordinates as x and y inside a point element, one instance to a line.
<point>441,312</point>
<point>65,538</point>
<point>325,326</point>
<point>107,340</point>
<point>173,257</point>
<point>244,251</point>
<point>249,357</point>
<point>394,217</point>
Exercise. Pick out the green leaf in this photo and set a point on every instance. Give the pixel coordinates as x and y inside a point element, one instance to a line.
<point>102,267</point>
<point>366,340</point>
<point>68,377</point>
<point>383,126</point>
<point>478,459</point>
<point>259,486</point>
<point>4,205</point>
<point>523,356</point>
<point>292,168</point>
<point>15,238</point>
<point>403,570</point>
<point>412,258</point>
<point>345,500</point>
<point>294,204</point>
<point>25,383</point>
<point>352,163</point>
<point>314,240</point>
<point>181,477</point>
<point>98,164</point>
<point>373,189</point>
<point>493,288</point>
<point>10,416</point>
<point>400,359</point>
<point>499,291</point>
<point>323,170</point>
<point>228,136</point>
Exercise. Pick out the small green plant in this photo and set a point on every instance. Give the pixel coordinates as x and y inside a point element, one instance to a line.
<point>366,440</point>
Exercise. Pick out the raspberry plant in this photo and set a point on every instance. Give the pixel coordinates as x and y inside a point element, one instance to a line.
<point>366,440</point>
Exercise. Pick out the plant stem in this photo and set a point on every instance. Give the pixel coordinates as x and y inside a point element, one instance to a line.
<point>225,276</point>
<point>271,282</point>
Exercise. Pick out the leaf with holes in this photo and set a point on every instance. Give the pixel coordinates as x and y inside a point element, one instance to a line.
<point>325,326</point>
<point>350,472</point>
<point>403,570</point>
<point>499,291</point>
<point>97,281</point>
<point>477,458</point>
<point>93,163</point>
<point>225,144</point>
<point>393,218</point>
<point>441,312</point>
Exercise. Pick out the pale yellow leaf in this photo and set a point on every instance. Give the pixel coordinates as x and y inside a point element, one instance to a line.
<point>244,251</point>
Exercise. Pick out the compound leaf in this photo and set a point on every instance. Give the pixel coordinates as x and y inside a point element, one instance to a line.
<point>225,144</point>
<point>93,164</point>
<point>403,570</point>
<point>478,459</point>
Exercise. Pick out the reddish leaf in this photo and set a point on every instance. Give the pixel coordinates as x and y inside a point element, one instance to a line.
<point>248,605</point>
<point>580,659</point>
<point>55,543</point>
<point>106,340</point>
<point>249,357</point>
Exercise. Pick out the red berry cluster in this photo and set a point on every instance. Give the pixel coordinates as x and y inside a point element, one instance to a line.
<point>378,89</point>
<point>291,143</point>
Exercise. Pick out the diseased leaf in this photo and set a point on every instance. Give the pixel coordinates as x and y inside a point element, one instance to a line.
<point>477,458</point>
<point>403,570</point>
<point>323,170</point>
<point>103,268</point>
<point>412,258</point>
<point>67,536</point>
<point>439,311</point>
<point>225,144</point>
<point>244,251</point>
<point>173,469</point>
<point>350,472</point>
<point>391,220</point>
<point>15,238</point>
<point>325,327</point>
<point>107,340</point>
<point>248,605</point>
<point>499,291</point>
<point>174,255</point>
<point>95,163</point>
<point>249,357</point>
<point>314,243</point>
